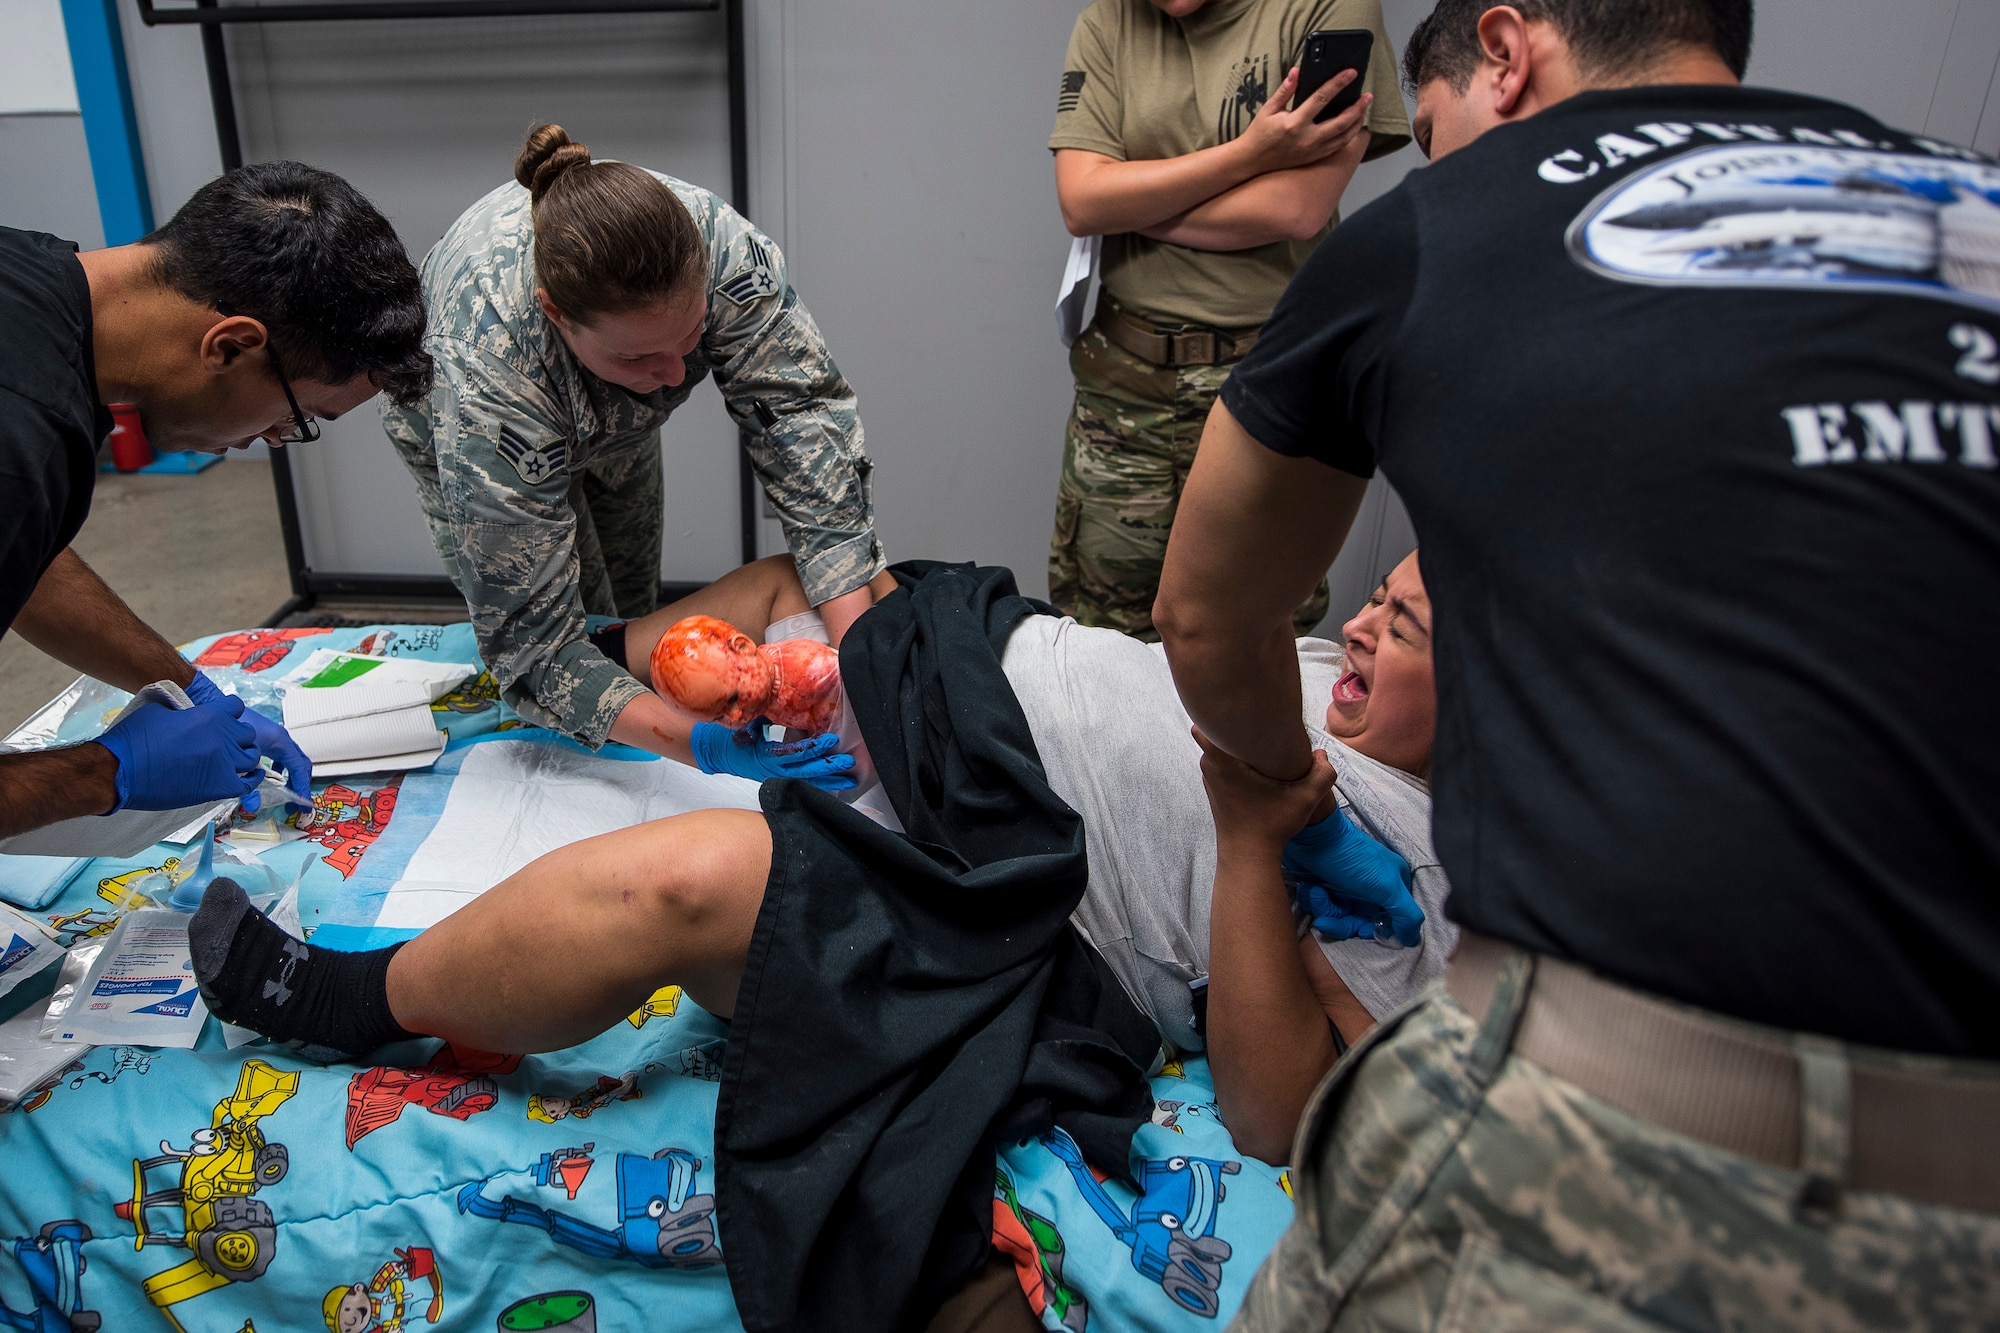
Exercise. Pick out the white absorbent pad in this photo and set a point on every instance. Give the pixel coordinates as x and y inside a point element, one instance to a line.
<point>488,809</point>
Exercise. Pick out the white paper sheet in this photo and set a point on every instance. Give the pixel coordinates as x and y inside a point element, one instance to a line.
<point>386,763</point>
<point>360,698</point>
<point>364,721</point>
<point>1073,298</point>
<point>437,678</point>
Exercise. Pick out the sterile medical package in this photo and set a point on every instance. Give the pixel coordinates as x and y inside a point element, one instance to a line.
<point>127,832</point>
<point>140,991</point>
<point>364,727</point>
<point>353,713</point>
<point>25,948</point>
<point>27,1058</point>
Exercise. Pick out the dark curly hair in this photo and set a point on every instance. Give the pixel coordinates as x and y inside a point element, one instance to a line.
<point>1607,37</point>
<point>302,252</point>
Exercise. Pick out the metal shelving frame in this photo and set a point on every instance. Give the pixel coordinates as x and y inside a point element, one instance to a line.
<point>309,584</point>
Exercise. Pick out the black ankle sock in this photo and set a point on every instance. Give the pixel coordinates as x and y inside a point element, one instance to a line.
<point>256,976</point>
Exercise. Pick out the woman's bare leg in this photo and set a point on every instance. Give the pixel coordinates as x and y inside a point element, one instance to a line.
<point>574,942</point>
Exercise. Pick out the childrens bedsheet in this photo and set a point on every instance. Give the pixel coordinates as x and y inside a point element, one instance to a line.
<point>231,1190</point>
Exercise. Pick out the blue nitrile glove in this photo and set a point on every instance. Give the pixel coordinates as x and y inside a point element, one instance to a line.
<point>1333,860</point>
<point>171,757</point>
<point>748,754</point>
<point>272,740</point>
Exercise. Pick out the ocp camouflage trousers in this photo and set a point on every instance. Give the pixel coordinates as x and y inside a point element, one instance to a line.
<point>1444,1184</point>
<point>1127,449</point>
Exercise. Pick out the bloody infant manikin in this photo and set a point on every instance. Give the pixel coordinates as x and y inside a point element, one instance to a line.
<point>719,673</point>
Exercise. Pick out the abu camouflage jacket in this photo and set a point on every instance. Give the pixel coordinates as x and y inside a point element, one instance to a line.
<point>513,415</point>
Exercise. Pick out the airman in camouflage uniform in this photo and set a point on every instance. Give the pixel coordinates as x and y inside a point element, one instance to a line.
<point>1444,1184</point>
<point>542,482</point>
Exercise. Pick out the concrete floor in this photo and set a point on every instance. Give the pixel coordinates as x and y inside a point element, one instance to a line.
<point>191,556</point>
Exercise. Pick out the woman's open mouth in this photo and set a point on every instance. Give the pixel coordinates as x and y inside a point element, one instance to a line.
<point>1350,689</point>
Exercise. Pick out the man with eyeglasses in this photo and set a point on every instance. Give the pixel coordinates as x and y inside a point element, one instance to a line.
<point>276,295</point>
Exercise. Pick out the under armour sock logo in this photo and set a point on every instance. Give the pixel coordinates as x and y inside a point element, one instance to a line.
<point>295,953</point>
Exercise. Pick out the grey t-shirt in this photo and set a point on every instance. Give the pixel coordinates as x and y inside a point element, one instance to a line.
<point>1114,739</point>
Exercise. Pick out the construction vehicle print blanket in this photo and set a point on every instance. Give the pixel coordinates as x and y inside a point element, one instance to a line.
<point>238,1187</point>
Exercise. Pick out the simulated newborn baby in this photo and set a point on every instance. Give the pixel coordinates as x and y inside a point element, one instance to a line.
<point>720,674</point>
<point>714,671</point>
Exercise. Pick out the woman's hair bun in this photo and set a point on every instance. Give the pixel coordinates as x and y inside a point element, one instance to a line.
<point>546,155</point>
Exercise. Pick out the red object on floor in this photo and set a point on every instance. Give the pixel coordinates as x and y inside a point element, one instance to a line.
<point>130,450</point>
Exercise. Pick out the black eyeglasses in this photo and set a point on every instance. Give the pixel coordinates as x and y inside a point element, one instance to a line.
<point>304,429</point>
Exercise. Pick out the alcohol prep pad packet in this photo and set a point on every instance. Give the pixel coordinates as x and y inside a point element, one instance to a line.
<point>25,948</point>
<point>141,990</point>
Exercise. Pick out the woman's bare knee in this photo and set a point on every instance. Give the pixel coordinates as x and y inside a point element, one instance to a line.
<point>701,874</point>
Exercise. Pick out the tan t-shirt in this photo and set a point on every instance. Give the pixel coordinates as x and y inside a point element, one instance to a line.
<point>1138,85</point>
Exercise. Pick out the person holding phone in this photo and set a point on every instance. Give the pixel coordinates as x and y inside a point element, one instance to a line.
<point>1181,139</point>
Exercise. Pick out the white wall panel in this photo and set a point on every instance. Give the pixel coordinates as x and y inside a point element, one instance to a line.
<point>35,74</point>
<point>44,163</point>
<point>425,116</point>
<point>897,157</point>
<point>916,202</point>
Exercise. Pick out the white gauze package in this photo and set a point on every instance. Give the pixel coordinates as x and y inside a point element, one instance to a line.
<point>140,991</point>
<point>25,948</point>
<point>27,1058</point>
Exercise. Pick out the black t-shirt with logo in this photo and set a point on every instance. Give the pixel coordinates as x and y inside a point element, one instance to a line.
<point>1693,394</point>
<point>50,419</point>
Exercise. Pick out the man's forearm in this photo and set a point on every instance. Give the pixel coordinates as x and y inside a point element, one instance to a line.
<point>1101,196</point>
<point>48,785</point>
<point>1268,1042</point>
<point>1255,531</point>
<point>76,619</point>
<point>1245,696</point>
<point>1290,205</point>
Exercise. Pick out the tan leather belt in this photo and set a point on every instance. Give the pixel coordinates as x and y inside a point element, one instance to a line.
<point>1916,1126</point>
<point>1172,345</point>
